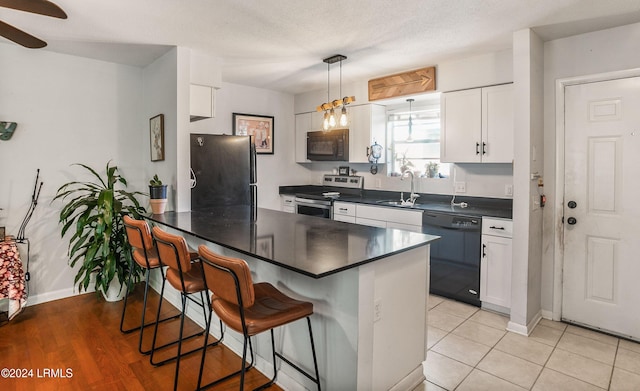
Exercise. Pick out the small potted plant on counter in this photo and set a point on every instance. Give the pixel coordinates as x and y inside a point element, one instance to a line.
<point>157,195</point>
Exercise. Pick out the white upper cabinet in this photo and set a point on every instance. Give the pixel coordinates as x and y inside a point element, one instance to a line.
<point>305,122</point>
<point>477,125</point>
<point>367,125</point>
<point>202,102</point>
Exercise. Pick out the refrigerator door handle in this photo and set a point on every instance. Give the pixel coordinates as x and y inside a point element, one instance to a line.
<point>252,163</point>
<point>193,179</point>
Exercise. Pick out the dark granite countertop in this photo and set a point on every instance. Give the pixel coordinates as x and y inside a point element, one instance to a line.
<point>477,206</point>
<point>308,245</point>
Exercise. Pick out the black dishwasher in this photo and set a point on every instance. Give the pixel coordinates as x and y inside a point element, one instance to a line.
<point>455,258</point>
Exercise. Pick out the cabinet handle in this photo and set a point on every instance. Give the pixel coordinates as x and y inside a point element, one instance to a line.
<point>477,148</point>
<point>484,253</point>
<point>494,227</point>
<point>287,201</point>
<point>342,209</point>
<point>484,148</point>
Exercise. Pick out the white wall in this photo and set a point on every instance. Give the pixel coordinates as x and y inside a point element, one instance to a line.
<point>273,170</point>
<point>586,54</point>
<point>482,180</point>
<point>69,110</point>
<point>159,87</point>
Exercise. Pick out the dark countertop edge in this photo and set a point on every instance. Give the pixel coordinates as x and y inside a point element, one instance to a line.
<point>299,271</point>
<point>480,206</point>
<point>357,264</point>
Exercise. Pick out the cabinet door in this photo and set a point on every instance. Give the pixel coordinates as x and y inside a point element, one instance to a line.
<point>201,103</point>
<point>367,124</point>
<point>461,126</point>
<point>497,124</point>
<point>345,219</point>
<point>303,125</point>
<point>495,270</point>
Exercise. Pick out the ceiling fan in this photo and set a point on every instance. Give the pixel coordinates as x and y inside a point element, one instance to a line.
<point>42,7</point>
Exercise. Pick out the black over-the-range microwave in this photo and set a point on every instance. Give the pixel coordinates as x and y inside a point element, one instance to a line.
<point>332,145</point>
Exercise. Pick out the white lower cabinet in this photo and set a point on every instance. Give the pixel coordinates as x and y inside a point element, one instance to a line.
<point>288,203</point>
<point>378,216</point>
<point>495,264</point>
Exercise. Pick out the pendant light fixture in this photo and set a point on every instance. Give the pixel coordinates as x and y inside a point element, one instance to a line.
<point>329,122</point>
<point>409,138</point>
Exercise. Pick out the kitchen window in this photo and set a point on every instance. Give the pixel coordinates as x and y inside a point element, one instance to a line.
<point>418,150</point>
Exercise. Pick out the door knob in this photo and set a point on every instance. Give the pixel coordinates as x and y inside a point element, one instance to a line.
<point>572,221</point>
<point>572,204</point>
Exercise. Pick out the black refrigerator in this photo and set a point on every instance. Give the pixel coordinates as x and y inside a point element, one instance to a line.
<point>223,171</point>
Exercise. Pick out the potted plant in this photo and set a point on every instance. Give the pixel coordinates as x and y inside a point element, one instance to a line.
<point>94,214</point>
<point>157,195</point>
<point>432,169</point>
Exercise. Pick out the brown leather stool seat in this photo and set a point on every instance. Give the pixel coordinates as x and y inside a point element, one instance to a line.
<point>145,254</point>
<point>185,275</point>
<point>250,309</point>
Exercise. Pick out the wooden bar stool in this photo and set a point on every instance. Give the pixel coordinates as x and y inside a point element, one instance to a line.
<point>145,254</point>
<point>186,276</point>
<point>250,309</point>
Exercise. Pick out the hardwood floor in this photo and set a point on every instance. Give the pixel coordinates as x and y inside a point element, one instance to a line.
<point>78,340</point>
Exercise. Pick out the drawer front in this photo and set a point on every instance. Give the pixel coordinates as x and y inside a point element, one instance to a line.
<point>497,227</point>
<point>344,209</point>
<point>287,200</point>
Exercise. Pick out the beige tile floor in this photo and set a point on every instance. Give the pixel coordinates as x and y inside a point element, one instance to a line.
<point>470,349</point>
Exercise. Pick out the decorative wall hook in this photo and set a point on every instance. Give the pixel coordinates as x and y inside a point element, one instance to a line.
<point>7,129</point>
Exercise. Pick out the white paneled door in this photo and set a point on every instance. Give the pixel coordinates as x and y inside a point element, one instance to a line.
<point>601,274</point>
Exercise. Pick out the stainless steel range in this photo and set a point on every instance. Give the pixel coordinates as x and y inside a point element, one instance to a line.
<point>319,201</point>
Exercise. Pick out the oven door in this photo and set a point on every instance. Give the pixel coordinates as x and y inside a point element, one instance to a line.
<point>305,206</point>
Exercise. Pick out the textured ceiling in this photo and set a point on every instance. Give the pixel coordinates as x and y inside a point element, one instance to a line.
<point>279,45</point>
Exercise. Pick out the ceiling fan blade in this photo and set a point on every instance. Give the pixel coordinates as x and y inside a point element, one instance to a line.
<point>42,7</point>
<point>20,37</point>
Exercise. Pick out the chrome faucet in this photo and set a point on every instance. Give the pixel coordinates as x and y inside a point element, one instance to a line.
<point>412,197</point>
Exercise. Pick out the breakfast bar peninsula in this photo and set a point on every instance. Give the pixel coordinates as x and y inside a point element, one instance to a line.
<point>369,288</point>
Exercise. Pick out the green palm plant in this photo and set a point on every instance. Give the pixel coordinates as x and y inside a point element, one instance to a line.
<point>94,213</point>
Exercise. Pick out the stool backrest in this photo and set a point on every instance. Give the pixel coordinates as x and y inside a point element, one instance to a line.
<point>138,233</point>
<point>172,250</point>
<point>218,273</point>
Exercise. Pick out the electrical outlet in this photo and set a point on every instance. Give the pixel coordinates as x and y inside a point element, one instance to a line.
<point>378,183</point>
<point>377,310</point>
<point>508,190</point>
<point>460,187</point>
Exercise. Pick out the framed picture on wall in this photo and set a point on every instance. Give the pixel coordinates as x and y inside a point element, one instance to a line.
<point>258,126</point>
<point>156,129</point>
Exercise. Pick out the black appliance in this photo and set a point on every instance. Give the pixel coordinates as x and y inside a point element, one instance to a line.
<point>223,171</point>
<point>332,145</point>
<point>455,258</point>
<point>319,201</point>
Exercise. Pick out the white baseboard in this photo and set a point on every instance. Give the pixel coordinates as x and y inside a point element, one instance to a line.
<point>55,295</point>
<point>411,381</point>
<point>522,329</point>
